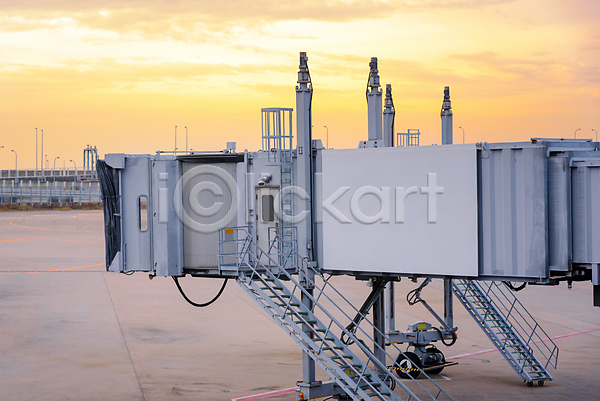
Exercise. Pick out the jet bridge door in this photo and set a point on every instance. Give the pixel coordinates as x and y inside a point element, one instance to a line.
<point>136,220</point>
<point>266,217</point>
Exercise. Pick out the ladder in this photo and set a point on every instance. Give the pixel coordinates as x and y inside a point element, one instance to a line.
<point>510,327</point>
<point>317,331</point>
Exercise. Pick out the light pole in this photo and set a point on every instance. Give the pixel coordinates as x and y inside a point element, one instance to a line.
<point>54,168</point>
<point>175,151</point>
<point>596,134</point>
<point>463,133</point>
<point>47,162</point>
<point>186,140</point>
<point>578,129</point>
<point>42,153</point>
<point>327,136</point>
<point>16,168</point>
<point>75,175</point>
<point>36,152</point>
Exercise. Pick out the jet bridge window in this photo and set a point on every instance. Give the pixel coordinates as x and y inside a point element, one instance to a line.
<point>143,212</point>
<point>268,209</point>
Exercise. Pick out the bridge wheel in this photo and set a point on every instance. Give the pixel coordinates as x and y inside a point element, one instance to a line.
<point>407,365</point>
<point>434,357</point>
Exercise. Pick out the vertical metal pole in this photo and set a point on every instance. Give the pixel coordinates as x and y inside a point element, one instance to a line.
<point>42,153</point>
<point>378,330</point>
<point>308,365</point>
<point>390,307</point>
<point>304,179</point>
<point>448,303</point>
<point>36,153</point>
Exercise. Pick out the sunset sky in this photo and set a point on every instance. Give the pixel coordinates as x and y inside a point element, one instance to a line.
<point>122,74</point>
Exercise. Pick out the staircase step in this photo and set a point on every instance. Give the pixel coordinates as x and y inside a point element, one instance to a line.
<point>366,386</point>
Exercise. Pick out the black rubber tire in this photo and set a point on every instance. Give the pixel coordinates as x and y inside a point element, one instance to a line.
<point>436,370</point>
<point>541,383</point>
<point>406,364</point>
<point>529,384</point>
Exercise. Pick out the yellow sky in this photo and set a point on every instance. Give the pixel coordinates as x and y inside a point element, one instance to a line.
<point>121,74</point>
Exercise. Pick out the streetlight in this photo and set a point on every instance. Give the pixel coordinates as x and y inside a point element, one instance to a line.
<point>578,129</point>
<point>74,176</point>
<point>596,134</point>
<point>175,151</point>
<point>54,168</point>
<point>16,168</point>
<point>463,133</point>
<point>327,136</point>
<point>47,162</point>
<point>36,152</point>
<point>42,153</point>
<point>186,140</point>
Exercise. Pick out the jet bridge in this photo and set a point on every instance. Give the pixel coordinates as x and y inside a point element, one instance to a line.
<point>505,211</point>
<point>278,219</point>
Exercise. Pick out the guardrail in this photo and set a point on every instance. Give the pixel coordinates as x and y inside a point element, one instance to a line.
<point>51,193</point>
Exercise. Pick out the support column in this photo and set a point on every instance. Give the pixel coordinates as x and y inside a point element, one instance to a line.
<point>448,303</point>
<point>378,337</point>
<point>308,365</point>
<point>390,311</point>
<point>304,181</point>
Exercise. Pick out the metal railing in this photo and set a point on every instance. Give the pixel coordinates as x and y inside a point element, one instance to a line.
<point>521,321</point>
<point>249,259</point>
<point>79,193</point>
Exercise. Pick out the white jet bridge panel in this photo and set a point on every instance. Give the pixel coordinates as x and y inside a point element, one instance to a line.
<point>401,210</point>
<point>514,210</point>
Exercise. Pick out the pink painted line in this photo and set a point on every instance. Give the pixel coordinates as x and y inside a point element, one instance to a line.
<point>487,351</point>
<point>267,396</point>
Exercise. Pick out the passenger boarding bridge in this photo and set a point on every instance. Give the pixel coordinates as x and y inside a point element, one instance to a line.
<point>486,218</point>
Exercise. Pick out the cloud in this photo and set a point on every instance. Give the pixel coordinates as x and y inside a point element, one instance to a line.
<point>185,20</point>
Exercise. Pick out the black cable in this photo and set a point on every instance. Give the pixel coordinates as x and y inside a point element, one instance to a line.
<point>442,337</point>
<point>195,304</point>
<point>512,287</point>
<point>414,296</point>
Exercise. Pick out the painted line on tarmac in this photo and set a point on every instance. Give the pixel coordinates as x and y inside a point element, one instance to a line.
<point>70,240</point>
<point>487,351</point>
<point>66,269</point>
<point>268,395</point>
<point>51,239</point>
<point>38,228</point>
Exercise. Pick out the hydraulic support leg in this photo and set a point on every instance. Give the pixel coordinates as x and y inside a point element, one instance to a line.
<point>448,306</point>
<point>390,312</point>
<point>308,365</point>
<point>379,330</point>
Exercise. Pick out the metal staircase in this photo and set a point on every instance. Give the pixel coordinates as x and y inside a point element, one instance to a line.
<point>510,327</point>
<point>318,330</point>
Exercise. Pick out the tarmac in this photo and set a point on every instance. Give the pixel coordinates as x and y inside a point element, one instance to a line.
<point>69,330</point>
